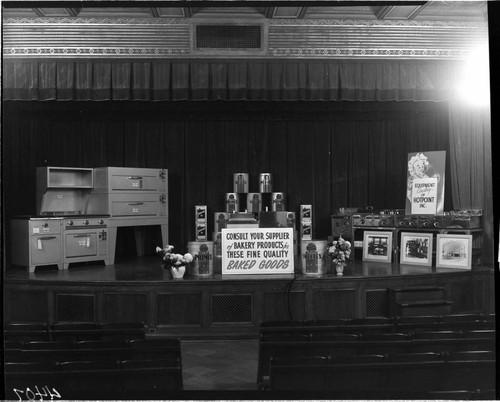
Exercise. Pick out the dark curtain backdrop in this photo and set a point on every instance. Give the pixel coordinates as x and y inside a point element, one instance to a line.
<point>328,154</point>
<point>366,80</point>
<point>471,164</point>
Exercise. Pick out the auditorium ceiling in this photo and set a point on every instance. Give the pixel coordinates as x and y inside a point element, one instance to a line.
<point>258,29</point>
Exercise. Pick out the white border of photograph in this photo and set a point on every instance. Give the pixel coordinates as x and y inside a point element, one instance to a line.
<point>374,257</point>
<point>407,259</point>
<point>460,256</point>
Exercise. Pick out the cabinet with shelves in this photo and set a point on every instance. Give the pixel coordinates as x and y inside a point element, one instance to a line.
<point>63,190</point>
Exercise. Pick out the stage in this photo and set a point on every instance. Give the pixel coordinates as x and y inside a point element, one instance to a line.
<point>228,306</point>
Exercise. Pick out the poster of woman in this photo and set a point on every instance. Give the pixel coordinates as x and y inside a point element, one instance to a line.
<point>425,183</point>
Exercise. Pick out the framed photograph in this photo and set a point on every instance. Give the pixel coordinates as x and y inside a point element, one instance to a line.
<point>416,248</point>
<point>454,250</point>
<point>377,246</point>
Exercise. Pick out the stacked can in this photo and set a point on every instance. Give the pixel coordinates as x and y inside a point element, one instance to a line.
<point>266,189</point>
<point>306,228</point>
<point>240,183</point>
<point>278,202</point>
<point>232,202</point>
<point>200,219</point>
<point>254,202</point>
<point>220,222</point>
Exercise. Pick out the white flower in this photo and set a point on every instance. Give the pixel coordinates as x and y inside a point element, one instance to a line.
<point>188,257</point>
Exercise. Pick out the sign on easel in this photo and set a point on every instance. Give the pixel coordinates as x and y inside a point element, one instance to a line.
<point>425,183</point>
<point>424,196</point>
<point>257,251</point>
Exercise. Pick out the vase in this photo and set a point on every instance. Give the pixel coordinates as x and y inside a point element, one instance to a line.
<point>178,272</point>
<point>339,269</point>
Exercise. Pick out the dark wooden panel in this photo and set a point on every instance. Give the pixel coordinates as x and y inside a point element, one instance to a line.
<point>279,306</point>
<point>467,295</point>
<point>31,306</point>
<point>179,309</point>
<point>334,304</point>
<point>123,307</point>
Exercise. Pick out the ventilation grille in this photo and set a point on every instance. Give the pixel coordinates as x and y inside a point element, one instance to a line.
<point>75,308</point>
<point>231,308</point>
<point>228,37</point>
<point>377,303</point>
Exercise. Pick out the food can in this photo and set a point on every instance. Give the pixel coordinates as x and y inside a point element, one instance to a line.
<point>305,230</point>
<point>278,202</point>
<point>265,183</point>
<point>201,231</point>
<point>200,213</point>
<point>217,238</point>
<point>203,258</point>
<point>220,221</point>
<point>240,182</point>
<point>306,213</point>
<point>254,202</point>
<point>232,203</point>
<point>313,256</point>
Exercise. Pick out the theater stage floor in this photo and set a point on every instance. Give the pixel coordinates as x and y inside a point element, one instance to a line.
<point>147,269</point>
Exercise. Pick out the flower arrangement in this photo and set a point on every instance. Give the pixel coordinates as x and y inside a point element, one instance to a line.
<point>340,251</point>
<point>175,262</point>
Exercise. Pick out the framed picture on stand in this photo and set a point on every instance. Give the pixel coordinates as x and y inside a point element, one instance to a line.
<point>416,248</point>
<point>377,246</point>
<point>454,250</point>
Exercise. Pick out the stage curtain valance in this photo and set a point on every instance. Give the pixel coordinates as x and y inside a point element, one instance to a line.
<point>400,80</point>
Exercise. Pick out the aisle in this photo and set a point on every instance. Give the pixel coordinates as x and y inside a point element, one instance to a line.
<point>220,365</point>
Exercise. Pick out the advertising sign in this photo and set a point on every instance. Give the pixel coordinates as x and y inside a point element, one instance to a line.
<point>257,251</point>
<point>425,183</point>
<point>424,196</point>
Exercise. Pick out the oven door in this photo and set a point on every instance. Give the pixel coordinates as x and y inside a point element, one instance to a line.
<point>78,244</point>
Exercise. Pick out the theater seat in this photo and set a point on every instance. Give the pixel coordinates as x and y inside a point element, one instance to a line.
<point>298,373</point>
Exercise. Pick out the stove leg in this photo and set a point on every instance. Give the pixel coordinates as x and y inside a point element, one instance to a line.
<point>31,268</point>
<point>60,266</point>
<point>111,244</point>
<point>164,235</point>
<point>65,266</point>
<point>140,236</point>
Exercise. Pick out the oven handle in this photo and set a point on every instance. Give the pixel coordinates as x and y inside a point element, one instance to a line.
<point>81,235</point>
<point>47,238</point>
<point>135,203</point>
<point>135,178</point>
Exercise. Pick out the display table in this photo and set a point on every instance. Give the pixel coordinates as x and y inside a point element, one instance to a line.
<point>222,306</point>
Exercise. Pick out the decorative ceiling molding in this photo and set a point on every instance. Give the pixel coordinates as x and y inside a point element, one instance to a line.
<point>77,37</point>
<point>353,22</point>
<point>155,21</point>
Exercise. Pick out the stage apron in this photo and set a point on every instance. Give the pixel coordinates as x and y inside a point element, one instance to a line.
<point>313,254</point>
<point>203,258</point>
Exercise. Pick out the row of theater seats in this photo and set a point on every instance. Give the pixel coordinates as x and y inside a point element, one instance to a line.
<point>407,337</point>
<point>104,351</point>
<point>94,380</point>
<point>395,324</point>
<point>78,361</point>
<point>410,376</point>
<point>26,331</point>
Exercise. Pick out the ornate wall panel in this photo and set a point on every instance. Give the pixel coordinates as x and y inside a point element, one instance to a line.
<point>126,307</point>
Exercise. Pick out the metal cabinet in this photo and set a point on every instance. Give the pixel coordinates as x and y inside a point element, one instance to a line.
<point>37,242</point>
